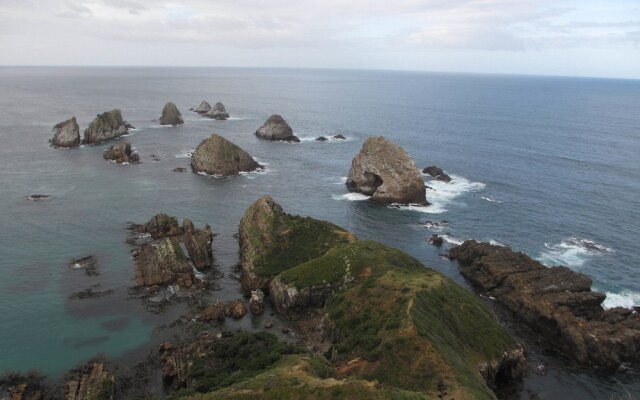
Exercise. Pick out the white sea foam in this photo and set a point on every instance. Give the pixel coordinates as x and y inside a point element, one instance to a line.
<point>490,200</point>
<point>352,196</point>
<point>572,252</point>
<point>185,154</point>
<point>626,299</point>
<point>452,240</point>
<point>496,243</point>
<point>160,126</point>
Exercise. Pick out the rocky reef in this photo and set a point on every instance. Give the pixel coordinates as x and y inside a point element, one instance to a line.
<point>91,382</point>
<point>276,128</point>
<point>218,112</point>
<point>203,108</point>
<point>121,153</point>
<point>436,173</point>
<point>171,115</point>
<point>556,301</point>
<point>106,126</point>
<point>384,171</point>
<point>220,157</point>
<point>66,134</point>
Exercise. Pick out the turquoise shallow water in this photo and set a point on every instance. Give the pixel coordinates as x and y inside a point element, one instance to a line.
<point>546,165</point>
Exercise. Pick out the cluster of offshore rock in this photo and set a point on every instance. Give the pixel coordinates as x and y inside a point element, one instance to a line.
<point>106,126</point>
<point>217,112</point>
<point>556,301</point>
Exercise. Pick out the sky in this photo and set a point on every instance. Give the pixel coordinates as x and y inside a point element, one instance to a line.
<point>541,37</point>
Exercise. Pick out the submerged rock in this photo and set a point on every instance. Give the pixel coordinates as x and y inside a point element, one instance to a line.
<point>37,197</point>
<point>276,128</point>
<point>436,240</point>
<point>322,139</point>
<point>203,108</point>
<point>384,171</point>
<point>437,173</point>
<point>66,134</point>
<point>556,301</point>
<point>121,153</point>
<point>88,264</point>
<point>171,115</point>
<point>92,382</point>
<point>218,112</point>
<point>340,137</point>
<point>218,156</point>
<point>105,126</point>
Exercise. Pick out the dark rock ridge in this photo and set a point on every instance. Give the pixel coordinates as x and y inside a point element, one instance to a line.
<point>121,153</point>
<point>219,310</point>
<point>66,134</point>
<point>88,264</point>
<point>276,128</point>
<point>220,157</point>
<point>163,262</point>
<point>203,108</point>
<point>556,301</point>
<point>436,240</point>
<point>218,112</point>
<point>321,139</point>
<point>384,171</point>
<point>340,137</point>
<point>105,126</point>
<point>37,197</point>
<point>171,115</point>
<point>437,173</point>
<point>92,382</point>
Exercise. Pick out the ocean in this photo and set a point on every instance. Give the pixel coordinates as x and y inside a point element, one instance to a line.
<point>546,165</point>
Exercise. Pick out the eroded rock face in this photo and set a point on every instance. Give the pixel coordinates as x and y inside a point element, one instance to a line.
<point>171,115</point>
<point>160,226</point>
<point>218,156</point>
<point>175,367</point>
<point>66,134</point>
<point>235,309</point>
<point>384,171</point>
<point>218,112</point>
<point>203,108</point>
<point>437,173</point>
<point>557,302</point>
<point>290,298</point>
<point>276,128</point>
<point>198,244</point>
<point>121,153</point>
<point>105,126</point>
<point>93,382</point>
<point>162,262</point>
<point>509,368</point>
<point>214,312</point>
<point>256,303</point>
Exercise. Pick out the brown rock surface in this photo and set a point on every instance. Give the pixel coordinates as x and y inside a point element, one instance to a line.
<point>92,382</point>
<point>162,262</point>
<point>171,115</point>
<point>66,134</point>
<point>198,244</point>
<point>121,153</point>
<point>218,112</point>
<point>276,128</point>
<point>218,156</point>
<point>105,126</point>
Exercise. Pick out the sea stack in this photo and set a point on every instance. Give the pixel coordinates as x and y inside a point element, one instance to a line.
<point>276,128</point>
<point>66,134</point>
<point>384,171</point>
<point>203,108</point>
<point>218,112</point>
<point>121,153</point>
<point>105,126</point>
<point>218,156</point>
<point>171,115</point>
<point>437,173</point>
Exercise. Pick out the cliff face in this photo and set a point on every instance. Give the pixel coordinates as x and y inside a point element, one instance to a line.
<point>557,302</point>
<point>384,171</point>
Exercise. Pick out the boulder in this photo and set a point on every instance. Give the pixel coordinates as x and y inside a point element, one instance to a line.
<point>276,128</point>
<point>66,134</point>
<point>235,309</point>
<point>198,244</point>
<point>171,115</point>
<point>175,367</point>
<point>203,108</point>
<point>340,137</point>
<point>105,126</point>
<point>121,153</point>
<point>218,112</point>
<point>161,226</point>
<point>322,139</point>
<point>436,240</point>
<point>214,312</point>
<point>384,171</point>
<point>92,382</point>
<point>256,303</point>
<point>437,173</point>
<point>163,262</point>
<point>556,301</point>
<point>218,156</point>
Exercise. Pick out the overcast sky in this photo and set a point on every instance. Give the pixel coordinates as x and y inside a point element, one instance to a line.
<point>561,37</point>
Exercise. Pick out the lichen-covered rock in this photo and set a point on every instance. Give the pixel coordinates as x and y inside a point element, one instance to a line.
<point>384,171</point>
<point>276,128</point>
<point>198,244</point>
<point>162,262</point>
<point>437,173</point>
<point>218,112</point>
<point>218,156</point>
<point>256,303</point>
<point>66,134</point>
<point>105,126</point>
<point>92,382</point>
<point>203,108</point>
<point>171,115</point>
<point>557,302</point>
<point>121,153</point>
<point>235,309</point>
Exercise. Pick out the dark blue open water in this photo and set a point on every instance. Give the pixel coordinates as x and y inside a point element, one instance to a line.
<point>549,166</point>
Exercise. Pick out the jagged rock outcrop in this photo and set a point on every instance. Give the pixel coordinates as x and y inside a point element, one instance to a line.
<point>92,382</point>
<point>508,368</point>
<point>218,112</point>
<point>203,108</point>
<point>218,156</point>
<point>163,262</point>
<point>23,387</point>
<point>437,173</point>
<point>384,171</point>
<point>198,244</point>
<point>256,303</point>
<point>556,301</point>
<point>436,240</point>
<point>171,115</point>
<point>175,367</point>
<point>276,128</point>
<point>66,134</point>
<point>214,312</point>
<point>235,309</point>
<point>160,226</point>
<point>121,153</point>
<point>106,126</point>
